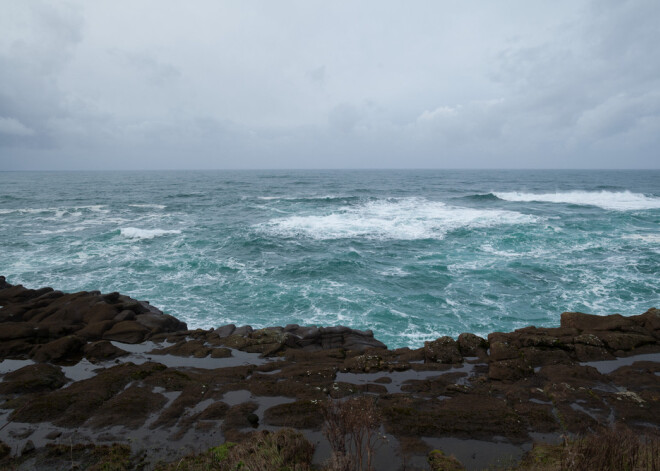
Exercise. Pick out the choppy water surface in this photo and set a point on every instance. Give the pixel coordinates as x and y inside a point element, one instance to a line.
<point>410,254</point>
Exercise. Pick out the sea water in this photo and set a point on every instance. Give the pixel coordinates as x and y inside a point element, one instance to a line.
<point>412,255</point>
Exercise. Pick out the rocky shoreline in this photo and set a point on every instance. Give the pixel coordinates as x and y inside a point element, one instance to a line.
<point>87,367</point>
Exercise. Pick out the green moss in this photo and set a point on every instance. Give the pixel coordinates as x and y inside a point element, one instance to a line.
<point>221,452</point>
<point>438,461</point>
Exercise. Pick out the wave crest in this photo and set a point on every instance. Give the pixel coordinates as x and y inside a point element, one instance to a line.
<point>135,233</point>
<point>402,219</point>
<point>610,200</point>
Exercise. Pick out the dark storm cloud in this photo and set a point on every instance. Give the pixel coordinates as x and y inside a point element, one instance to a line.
<point>315,84</point>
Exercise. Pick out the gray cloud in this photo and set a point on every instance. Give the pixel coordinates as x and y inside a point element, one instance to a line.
<point>319,84</point>
<point>156,72</point>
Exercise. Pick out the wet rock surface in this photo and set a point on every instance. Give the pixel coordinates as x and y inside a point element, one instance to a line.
<point>87,367</point>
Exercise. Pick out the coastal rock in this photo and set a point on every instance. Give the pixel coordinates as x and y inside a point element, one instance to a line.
<point>193,348</point>
<point>95,330</point>
<point>328,338</point>
<point>225,330</point>
<point>504,390</point>
<point>62,349</point>
<point>581,321</point>
<point>130,408</point>
<point>442,350</point>
<point>157,322</point>
<point>3,283</point>
<point>127,332</point>
<point>102,351</point>
<point>471,345</point>
<point>35,322</point>
<point>650,321</point>
<point>274,340</point>
<point>32,379</point>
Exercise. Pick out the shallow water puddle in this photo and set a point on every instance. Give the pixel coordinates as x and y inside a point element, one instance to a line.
<point>479,454</point>
<point>398,378</point>
<point>141,354</point>
<point>7,366</point>
<point>233,398</point>
<point>608,366</point>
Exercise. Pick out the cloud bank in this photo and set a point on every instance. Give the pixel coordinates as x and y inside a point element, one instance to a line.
<point>308,84</point>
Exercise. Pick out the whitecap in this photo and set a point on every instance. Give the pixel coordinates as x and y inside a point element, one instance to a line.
<point>651,238</point>
<point>394,272</point>
<point>400,219</point>
<point>305,198</point>
<point>135,233</point>
<point>57,231</point>
<point>154,206</point>
<point>617,201</point>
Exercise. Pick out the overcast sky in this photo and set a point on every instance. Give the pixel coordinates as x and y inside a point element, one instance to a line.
<point>329,84</point>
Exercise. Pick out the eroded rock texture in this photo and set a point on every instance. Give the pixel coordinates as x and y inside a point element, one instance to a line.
<point>198,388</point>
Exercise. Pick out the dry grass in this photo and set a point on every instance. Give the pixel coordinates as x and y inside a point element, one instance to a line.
<point>352,428</point>
<point>610,449</point>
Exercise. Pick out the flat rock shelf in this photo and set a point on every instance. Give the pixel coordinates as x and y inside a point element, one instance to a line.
<point>89,369</point>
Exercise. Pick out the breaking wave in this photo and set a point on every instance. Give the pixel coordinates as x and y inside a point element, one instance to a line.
<point>135,233</point>
<point>617,201</point>
<point>403,219</point>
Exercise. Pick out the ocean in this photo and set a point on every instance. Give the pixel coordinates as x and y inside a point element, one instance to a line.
<point>410,254</point>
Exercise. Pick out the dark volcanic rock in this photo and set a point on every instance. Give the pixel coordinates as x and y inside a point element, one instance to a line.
<point>127,332</point>
<point>509,387</point>
<point>102,351</point>
<point>442,350</point>
<point>50,325</point>
<point>225,330</point>
<point>129,408</point>
<point>192,348</point>
<point>33,378</point>
<point>65,348</point>
<point>273,340</point>
<point>3,283</point>
<point>471,345</point>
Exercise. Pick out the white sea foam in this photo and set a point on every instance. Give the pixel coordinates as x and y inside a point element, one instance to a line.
<point>135,233</point>
<point>59,212</point>
<point>401,219</point>
<point>154,206</point>
<point>617,201</point>
<point>303,198</point>
<point>57,231</point>
<point>651,238</point>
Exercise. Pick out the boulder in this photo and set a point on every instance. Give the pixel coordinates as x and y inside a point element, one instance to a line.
<point>471,345</point>
<point>328,338</point>
<point>17,330</point>
<point>102,351</point>
<point>159,322</point>
<point>243,331</point>
<point>39,377</point>
<point>3,283</point>
<point>442,350</point>
<point>581,321</point>
<point>650,321</point>
<point>95,330</point>
<point>225,330</point>
<point>191,348</point>
<point>127,332</point>
<point>63,349</point>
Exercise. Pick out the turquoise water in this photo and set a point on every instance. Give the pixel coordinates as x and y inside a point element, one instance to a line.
<point>412,255</point>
